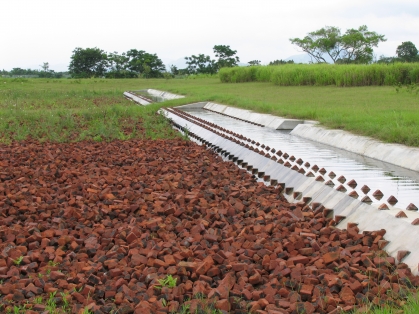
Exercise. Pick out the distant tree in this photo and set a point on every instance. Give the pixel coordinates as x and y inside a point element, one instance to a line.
<point>144,63</point>
<point>201,64</point>
<point>254,62</point>
<point>118,66</point>
<point>226,56</point>
<point>407,52</point>
<point>387,60</point>
<point>88,62</point>
<point>354,46</point>
<point>174,70</point>
<point>280,62</point>
<point>45,66</point>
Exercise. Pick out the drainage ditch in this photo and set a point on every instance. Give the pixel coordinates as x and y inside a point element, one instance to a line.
<point>351,188</point>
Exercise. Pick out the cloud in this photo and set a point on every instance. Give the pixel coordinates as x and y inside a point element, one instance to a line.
<point>48,30</point>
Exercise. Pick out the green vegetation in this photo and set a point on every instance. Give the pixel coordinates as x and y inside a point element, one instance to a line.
<point>18,260</point>
<point>342,75</point>
<point>410,306</point>
<point>168,282</point>
<point>72,110</point>
<point>327,43</point>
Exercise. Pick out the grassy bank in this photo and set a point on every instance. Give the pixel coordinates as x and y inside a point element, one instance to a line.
<point>325,74</point>
<point>66,110</point>
<point>73,110</point>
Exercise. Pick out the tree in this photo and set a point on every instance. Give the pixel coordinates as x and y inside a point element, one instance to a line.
<point>280,62</point>
<point>354,46</point>
<point>144,63</point>
<point>226,56</point>
<point>254,62</point>
<point>174,70</point>
<point>407,51</point>
<point>118,66</point>
<point>88,62</point>
<point>201,64</point>
<point>45,66</point>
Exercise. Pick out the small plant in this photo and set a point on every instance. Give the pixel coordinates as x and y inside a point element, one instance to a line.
<point>66,305</point>
<point>37,300</point>
<point>18,260</point>
<point>53,264</point>
<point>51,304</point>
<point>184,309</point>
<point>87,311</point>
<point>169,282</point>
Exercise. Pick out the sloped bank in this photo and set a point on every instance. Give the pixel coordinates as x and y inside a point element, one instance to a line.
<point>99,226</point>
<point>271,165</point>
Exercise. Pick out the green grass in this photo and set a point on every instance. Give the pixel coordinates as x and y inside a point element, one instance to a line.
<point>381,112</point>
<point>325,74</point>
<point>410,306</point>
<point>72,110</point>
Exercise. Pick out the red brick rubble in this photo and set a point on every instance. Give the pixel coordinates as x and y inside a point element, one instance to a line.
<point>99,224</point>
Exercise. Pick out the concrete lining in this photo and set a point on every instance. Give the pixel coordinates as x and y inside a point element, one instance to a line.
<point>396,154</point>
<point>136,99</point>
<point>401,233</point>
<point>266,120</point>
<point>162,94</point>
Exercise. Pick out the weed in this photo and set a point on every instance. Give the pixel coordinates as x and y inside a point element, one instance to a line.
<point>38,300</point>
<point>53,264</point>
<point>18,260</point>
<point>168,281</point>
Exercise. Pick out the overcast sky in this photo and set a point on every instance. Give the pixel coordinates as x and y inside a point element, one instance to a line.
<point>37,31</point>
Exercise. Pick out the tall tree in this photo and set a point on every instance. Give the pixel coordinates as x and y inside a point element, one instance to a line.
<point>45,66</point>
<point>201,64</point>
<point>88,62</point>
<point>407,51</point>
<point>354,46</point>
<point>144,63</point>
<point>226,56</point>
<point>254,62</point>
<point>118,66</point>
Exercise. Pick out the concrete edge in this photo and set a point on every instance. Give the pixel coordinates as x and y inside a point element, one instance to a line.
<point>163,94</point>
<point>266,120</point>
<point>136,99</point>
<point>396,154</point>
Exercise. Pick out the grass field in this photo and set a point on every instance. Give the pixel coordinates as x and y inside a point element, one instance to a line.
<point>341,75</point>
<point>68,110</point>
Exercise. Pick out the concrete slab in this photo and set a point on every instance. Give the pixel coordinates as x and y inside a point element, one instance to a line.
<point>400,155</point>
<point>267,120</point>
<point>165,95</point>
<point>136,99</point>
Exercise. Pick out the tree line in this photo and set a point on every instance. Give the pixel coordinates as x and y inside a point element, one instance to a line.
<point>328,44</point>
<point>139,63</point>
<point>45,72</point>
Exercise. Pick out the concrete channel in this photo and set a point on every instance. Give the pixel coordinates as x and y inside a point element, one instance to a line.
<point>345,199</point>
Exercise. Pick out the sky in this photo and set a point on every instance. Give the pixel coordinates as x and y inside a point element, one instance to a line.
<point>37,31</point>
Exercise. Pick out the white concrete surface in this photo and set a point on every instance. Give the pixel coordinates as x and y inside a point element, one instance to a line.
<point>165,95</point>
<point>267,120</point>
<point>400,155</point>
<point>136,99</point>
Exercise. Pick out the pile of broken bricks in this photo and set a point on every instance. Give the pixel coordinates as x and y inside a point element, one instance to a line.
<point>101,224</point>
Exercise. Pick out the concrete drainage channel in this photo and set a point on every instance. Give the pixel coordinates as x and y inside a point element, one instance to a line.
<point>148,96</point>
<point>304,182</point>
